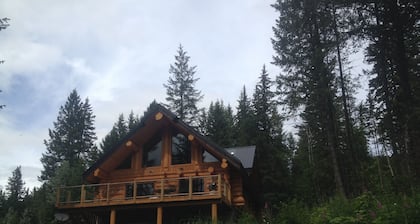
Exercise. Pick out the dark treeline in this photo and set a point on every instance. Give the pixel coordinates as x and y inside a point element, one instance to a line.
<point>350,160</point>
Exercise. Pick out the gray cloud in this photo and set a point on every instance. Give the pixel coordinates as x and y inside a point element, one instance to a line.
<point>118,54</point>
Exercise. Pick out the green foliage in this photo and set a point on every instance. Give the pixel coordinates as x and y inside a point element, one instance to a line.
<point>244,128</point>
<point>218,124</point>
<point>271,154</point>
<point>367,208</point>
<point>119,131</point>
<point>11,217</point>
<point>182,96</point>
<point>16,191</point>
<point>72,139</point>
<point>293,212</point>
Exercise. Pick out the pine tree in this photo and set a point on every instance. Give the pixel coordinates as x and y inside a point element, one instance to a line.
<point>3,204</point>
<point>392,30</point>
<point>117,133</point>
<point>182,96</point>
<point>72,139</point>
<point>244,121</point>
<point>132,121</point>
<point>304,43</point>
<point>11,217</point>
<point>271,161</point>
<point>16,191</point>
<point>219,124</point>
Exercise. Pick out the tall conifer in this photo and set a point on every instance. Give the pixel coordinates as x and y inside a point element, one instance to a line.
<point>72,139</point>
<point>182,96</point>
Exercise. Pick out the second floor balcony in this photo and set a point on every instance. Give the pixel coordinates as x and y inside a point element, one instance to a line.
<point>192,188</point>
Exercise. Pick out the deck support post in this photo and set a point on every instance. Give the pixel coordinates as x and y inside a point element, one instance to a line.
<point>214,213</point>
<point>112,217</point>
<point>159,215</point>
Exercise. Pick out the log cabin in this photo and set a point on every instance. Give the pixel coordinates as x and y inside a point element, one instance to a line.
<point>162,172</point>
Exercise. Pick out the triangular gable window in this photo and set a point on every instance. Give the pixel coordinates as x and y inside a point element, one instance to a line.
<point>181,149</point>
<point>208,158</point>
<point>152,152</point>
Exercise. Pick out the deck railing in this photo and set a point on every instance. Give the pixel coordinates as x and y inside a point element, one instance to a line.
<point>144,191</point>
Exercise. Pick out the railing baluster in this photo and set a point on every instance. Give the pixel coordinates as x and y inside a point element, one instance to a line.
<point>190,185</point>
<point>82,194</point>
<point>161,189</point>
<point>134,190</point>
<point>112,193</point>
<point>219,183</point>
<point>107,192</point>
<point>57,201</point>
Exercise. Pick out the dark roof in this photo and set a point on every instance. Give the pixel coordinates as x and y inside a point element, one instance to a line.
<point>151,111</point>
<point>245,154</point>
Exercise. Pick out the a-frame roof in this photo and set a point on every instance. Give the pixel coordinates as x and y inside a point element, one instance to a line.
<point>144,129</point>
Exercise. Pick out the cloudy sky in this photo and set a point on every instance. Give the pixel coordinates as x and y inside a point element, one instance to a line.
<point>117,53</point>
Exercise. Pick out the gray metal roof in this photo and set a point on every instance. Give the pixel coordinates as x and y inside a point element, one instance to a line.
<point>245,154</point>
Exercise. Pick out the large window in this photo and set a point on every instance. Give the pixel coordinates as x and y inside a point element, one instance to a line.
<point>152,152</point>
<point>208,158</point>
<point>181,149</point>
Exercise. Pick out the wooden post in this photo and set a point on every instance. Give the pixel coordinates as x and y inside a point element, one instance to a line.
<point>134,190</point>
<point>82,194</point>
<point>219,184</point>
<point>214,213</point>
<point>57,200</point>
<point>162,188</point>
<point>107,192</point>
<point>190,186</point>
<point>112,217</point>
<point>159,215</point>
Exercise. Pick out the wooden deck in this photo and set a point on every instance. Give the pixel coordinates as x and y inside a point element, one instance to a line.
<point>193,188</point>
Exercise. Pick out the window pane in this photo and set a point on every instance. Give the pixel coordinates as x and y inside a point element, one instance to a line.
<point>208,158</point>
<point>181,149</point>
<point>152,153</point>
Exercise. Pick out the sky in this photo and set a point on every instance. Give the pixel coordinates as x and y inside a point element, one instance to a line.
<point>117,54</point>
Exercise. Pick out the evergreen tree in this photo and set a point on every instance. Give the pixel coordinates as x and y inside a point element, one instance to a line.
<point>11,217</point>
<point>182,96</point>
<point>42,204</point>
<point>132,121</point>
<point>244,121</point>
<point>16,191</point>
<point>219,124</point>
<point>304,42</point>
<point>271,161</point>
<point>3,204</point>
<point>72,139</point>
<point>117,133</point>
<point>392,30</point>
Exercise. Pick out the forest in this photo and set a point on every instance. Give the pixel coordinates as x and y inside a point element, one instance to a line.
<point>349,160</point>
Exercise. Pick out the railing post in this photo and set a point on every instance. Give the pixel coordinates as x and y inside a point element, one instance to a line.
<point>161,189</point>
<point>190,185</point>
<point>57,200</point>
<point>224,189</point>
<point>82,194</point>
<point>134,190</point>
<point>107,192</point>
<point>219,183</point>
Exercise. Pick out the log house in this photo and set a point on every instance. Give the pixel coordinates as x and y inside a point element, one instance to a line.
<point>161,166</point>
